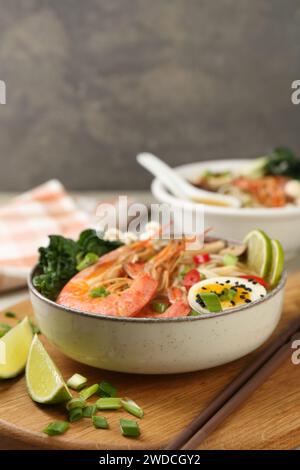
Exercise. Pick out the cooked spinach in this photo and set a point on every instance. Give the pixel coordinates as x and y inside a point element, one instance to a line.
<point>61,259</point>
<point>283,161</point>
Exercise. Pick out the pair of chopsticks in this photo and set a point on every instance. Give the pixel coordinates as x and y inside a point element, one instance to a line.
<point>237,391</point>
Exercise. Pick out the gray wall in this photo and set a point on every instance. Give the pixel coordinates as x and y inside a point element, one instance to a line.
<point>91,83</point>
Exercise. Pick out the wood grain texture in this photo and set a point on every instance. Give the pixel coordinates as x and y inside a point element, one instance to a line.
<point>270,419</point>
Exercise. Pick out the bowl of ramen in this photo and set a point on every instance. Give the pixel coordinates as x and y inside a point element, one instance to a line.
<point>153,306</point>
<point>268,189</point>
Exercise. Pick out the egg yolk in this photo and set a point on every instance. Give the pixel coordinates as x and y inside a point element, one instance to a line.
<point>230,295</point>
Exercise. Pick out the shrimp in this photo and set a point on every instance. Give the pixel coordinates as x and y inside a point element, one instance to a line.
<point>127,303</point>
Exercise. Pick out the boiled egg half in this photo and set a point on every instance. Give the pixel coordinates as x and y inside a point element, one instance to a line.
<point>223,293</point>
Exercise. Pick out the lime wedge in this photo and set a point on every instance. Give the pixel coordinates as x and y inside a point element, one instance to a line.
<point>14,349</point>
<point>259,252</point>
<point>44,381</point>
<point>277,263</point>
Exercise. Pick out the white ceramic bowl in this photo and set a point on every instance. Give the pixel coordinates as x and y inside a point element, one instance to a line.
<point>158,346</point>
<point>279,223</point>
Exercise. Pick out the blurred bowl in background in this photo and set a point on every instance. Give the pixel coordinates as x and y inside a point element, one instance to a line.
<point>281,223</point>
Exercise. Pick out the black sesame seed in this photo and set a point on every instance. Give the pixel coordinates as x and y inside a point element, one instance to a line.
<point>247,301</point>
<point>232,302</point>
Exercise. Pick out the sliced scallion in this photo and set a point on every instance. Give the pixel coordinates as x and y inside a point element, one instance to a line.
<point>76,402</point>
<point>89,411</point>
<point>159,307</point>
<point>129,428</point>
<point>132,407</point>
<point>108,403</point>
<point>99,292</point>
<point>89,391</point>
<point>75,414</point>
<point>56,428</point>
<point>106,389</point>
<point>100,422</point>
<point>10,315</point>
<point>77,382</point>
<point>4,328</point>
<point>211,301</point>
<point>228,294</point>
<point>229,259</point>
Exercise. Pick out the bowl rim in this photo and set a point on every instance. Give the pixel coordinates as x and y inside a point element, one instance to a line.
<point>160,192</point>
<point>204,316</point>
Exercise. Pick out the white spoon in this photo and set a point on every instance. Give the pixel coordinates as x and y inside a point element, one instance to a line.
<point>179,186</point>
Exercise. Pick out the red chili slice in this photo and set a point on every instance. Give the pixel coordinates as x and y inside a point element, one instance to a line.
<point>191,278</point>
<point>201,259</point>
<point>258,279</point>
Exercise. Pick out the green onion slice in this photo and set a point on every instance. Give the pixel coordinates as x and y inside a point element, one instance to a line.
<point>89,391</point>
<point>4,328</point>
<point>159,307</point>
<point>132,407</point>
<point>77,382</point>
<point>56,428</point>
<point>99,292</point>
<point>106,389</point>
<point>89,411</point>
<point>77,402</point>
<point>228,294</point>
<point>10,315</point>
<point>75,414</point>
<point>100,422</point>
<point>129,428</point>
<point>108,403</point>
<point>211,301</point>
<point>229,259</point>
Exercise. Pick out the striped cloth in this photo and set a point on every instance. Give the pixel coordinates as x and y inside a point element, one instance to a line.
<point>25,224</point>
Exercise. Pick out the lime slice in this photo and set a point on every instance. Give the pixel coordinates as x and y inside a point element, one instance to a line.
<point>14,349</point>
<point>277,263</point>
<point>44,381</point>
<point>259,252</point>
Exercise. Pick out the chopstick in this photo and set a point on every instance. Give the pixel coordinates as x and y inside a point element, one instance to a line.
<point>237,391</point>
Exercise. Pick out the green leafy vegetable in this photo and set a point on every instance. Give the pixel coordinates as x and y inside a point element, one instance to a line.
<point>211,301</point>
<point>283,161</point>
<point>63,258</point>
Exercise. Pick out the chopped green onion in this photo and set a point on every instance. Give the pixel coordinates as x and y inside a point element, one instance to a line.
<point>194,313</point>
<point>77,382</point>
<point>88,260</point>
<point>132,407</point>
<point>75,414</point>
<point>100,422</point>
<point>99,292</point>
<point>77,402</point>
<point>4,328</point>
<point>159,307</point>
<point>229,259</point>
<point>89,391</point>
<point>129,428</point>
<point>106,389</point>
<point>202,275</point>
<point>56,428</point>
<point>35,329</point>
<point>184,270</point>
<point>212,302</point>
<point>228,294</point>
<point>108,403</point>
<point>10,315</point>
<point>89,411</point>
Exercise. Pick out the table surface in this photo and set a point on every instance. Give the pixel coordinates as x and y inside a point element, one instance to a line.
<point>87,199</point>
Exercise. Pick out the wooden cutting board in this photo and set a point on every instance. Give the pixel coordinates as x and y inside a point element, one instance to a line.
<point>270,419</point>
